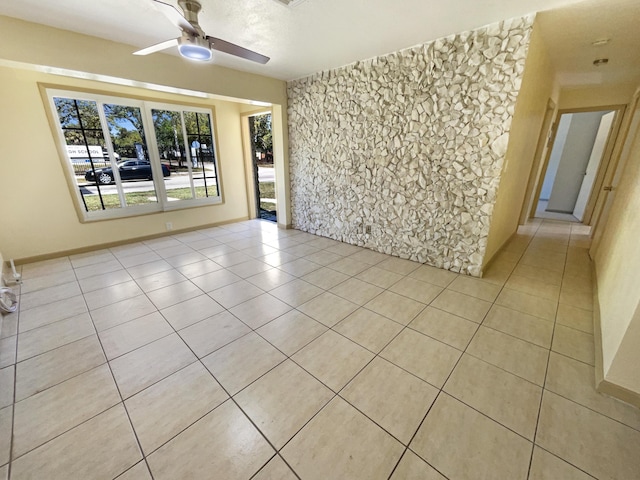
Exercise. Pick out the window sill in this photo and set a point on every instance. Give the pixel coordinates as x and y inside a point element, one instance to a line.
<point>115,214</point>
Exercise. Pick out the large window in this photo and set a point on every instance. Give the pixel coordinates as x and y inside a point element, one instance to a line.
<point>129,157</point>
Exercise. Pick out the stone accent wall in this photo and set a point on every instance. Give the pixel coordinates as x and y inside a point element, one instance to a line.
<point>411,144</point>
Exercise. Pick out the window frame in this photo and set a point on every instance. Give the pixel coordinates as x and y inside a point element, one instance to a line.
<point>146,105</point>
<point>153,150</point>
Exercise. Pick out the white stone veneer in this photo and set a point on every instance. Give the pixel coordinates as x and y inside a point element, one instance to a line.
<point>411,143</point>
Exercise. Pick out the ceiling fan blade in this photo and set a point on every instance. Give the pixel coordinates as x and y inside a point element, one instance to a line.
<point>157,47</point>
<point>238,51</point>
<point>176,17</point>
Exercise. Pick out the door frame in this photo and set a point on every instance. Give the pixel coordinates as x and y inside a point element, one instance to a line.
<point>249,162</point>
<point>535,187</point>
<point>617,163</point>
<point>540,160</point>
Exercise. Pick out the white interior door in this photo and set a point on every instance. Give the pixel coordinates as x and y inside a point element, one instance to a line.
<point>573,161</point>
<point>592,166</point>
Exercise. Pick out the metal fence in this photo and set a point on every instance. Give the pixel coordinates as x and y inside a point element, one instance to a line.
<point>80,167</point>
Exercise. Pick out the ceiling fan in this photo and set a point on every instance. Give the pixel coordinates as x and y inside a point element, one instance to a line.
<point>194,43</point>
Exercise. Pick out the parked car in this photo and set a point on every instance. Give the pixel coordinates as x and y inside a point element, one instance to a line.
<point>129,170</point>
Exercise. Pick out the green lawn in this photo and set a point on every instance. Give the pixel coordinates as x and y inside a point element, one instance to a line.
<point>267,190</point>
<point>140,198</point>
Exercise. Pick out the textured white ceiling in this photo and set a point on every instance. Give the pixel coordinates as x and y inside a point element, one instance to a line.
<point>569,33</point>
<point>317,35</point>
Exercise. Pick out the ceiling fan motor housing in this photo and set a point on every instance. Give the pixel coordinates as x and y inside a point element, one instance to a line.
<point>191,8</point>
<point>194,44</point>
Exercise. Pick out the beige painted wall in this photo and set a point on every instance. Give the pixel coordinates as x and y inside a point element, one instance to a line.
<point>40,45</point>
<point>595,96</point>
<point>537,88</point>
<point>40,218</point>
<point>624,368</point>
<point>617,264</point>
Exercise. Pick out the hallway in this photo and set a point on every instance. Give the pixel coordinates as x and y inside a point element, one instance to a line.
<point>245,351</point>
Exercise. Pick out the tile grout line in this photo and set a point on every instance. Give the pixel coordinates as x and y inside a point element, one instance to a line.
<point>337,332</point>
<point>572,358</point>
<point>239,407</point>
<point>336,394</point>
<point>199,360</point>
<point>359,306</point>
<point>546,372</point>
<point>15,385</point>
<point>541,387</point>
<point>566,461</point>
<point>129,352</point>
<point>121,398</point>
<point>441,390</point>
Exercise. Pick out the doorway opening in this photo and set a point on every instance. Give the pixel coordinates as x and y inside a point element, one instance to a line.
<point>575,165</point>
<point>260,135</point>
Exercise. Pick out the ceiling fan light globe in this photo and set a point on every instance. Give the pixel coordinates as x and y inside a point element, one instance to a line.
<point>195,52</point>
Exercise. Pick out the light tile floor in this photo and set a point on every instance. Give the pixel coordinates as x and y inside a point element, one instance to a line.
<point>245,351</point>
<point>541,212</point>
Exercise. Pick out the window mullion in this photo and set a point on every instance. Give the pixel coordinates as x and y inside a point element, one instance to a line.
<point>86,144</point>
<point>154,155</point>
<point>112,159</point>
<point>187,149</point>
